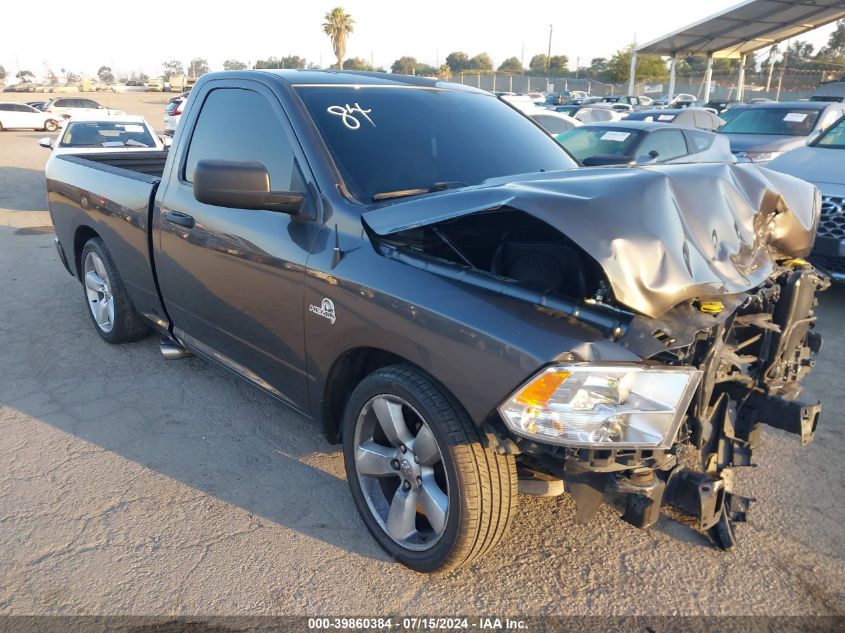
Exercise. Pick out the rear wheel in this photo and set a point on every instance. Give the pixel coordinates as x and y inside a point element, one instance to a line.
<point>51,125</point>
<point>431,493</point>
<point>109,305</point>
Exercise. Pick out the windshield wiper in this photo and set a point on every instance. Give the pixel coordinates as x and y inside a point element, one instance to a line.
<point>404,193</point>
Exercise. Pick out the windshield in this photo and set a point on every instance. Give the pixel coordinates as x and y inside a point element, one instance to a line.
<point>834,137</point>
<point>594,140</point>
<point>106,134</point>
<point>777,121</point>
<point>394,139</point>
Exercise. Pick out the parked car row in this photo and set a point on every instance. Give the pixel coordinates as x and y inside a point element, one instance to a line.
<point>48,115</point>
<point>21,116</point>
<point>802,138</point>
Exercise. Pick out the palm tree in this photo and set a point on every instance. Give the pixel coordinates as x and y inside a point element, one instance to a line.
<point>338,25</point>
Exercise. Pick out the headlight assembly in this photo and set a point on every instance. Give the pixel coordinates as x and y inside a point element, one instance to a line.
<point>619,405</point>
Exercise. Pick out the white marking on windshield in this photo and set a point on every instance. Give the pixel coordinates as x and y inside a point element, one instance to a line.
<point>347,114</point>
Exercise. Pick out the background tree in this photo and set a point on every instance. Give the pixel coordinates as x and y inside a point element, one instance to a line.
<point>648,67</point>
<point>2,74</point>
<point>538,63</point>
<point>356,63</point>
<point>173,67</point>
<point>836,42</point>
<point>289,61</point>
<point>457,61</point>
<point>832,56</point>
<point>425,70</point>
<point>404,65</point>
<point>197,67</point>
<point>105,74</point>
<point>558,63</point>
<point>445,71</point>
<point>512,65</point>
<point>338,25</point>
<point>233,64</point>
<point>72,78</point>
<point>25,76</point>
<point>598,66</point>
<point>294,61</point>
<point>51,78</point>
<point>481,62</point>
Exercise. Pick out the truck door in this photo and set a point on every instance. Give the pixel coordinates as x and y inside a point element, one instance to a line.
<point>232,279</point>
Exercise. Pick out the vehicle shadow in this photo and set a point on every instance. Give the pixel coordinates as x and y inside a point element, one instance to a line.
<point>22,189</point>
<point>189,421</point>
<point>242,447</point>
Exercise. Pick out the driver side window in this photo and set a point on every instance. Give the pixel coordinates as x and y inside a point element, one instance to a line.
<point>240,125</point>
<point>668,144</point>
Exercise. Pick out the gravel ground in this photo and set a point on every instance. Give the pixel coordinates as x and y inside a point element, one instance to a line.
<point>130,485</point>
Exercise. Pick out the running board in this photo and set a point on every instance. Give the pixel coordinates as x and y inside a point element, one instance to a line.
<point>171,350</point>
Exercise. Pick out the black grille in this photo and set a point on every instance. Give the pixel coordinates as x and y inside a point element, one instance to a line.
<point>833,265</point>
<point>832,222</point>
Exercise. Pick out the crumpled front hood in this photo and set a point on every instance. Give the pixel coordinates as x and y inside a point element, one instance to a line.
<point>662,234</point>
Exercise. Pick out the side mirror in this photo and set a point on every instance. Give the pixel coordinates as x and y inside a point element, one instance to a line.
<point>46,142</point>
<point>651,157</point>
<point>241,185</point>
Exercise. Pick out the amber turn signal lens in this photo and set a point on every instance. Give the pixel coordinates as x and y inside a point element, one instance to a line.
<point>540,390</point>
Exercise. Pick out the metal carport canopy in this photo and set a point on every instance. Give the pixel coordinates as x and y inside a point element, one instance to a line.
<point>744,28</point>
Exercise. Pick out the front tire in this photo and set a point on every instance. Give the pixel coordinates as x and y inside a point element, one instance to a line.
<point>109,305</point>
<point>428,489</point>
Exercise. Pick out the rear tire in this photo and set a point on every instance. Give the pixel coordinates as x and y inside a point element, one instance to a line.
<point>51,125</point>
<point>436,464</point>
<point>110,308</point>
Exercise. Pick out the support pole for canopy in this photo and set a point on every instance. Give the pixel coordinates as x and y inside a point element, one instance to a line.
<point>708,77</point>
<point>632,77</point>
<point>673,62</point>
<point>740,82</point>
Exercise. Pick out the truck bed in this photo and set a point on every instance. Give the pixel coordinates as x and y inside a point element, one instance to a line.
<point>110,195</point>
<point>150,163</point>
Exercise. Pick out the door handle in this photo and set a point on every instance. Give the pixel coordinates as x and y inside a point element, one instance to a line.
<point>182,219</point>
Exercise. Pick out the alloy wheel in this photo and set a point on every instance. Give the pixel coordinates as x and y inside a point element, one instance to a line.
<point>99,292</point>
<point>401,473</point>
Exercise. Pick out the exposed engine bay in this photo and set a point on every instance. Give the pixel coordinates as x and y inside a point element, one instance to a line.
<point>746,321</point>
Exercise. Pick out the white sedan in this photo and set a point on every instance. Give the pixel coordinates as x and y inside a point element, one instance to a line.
<point>554,122</point>
<point>89,135</point>
<point>19,116</point>
<point>67,107</point>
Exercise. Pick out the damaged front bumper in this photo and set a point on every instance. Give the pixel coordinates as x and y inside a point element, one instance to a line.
<point>752,361</point>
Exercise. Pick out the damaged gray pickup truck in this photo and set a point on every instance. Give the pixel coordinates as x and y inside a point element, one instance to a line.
<point>426,272</point>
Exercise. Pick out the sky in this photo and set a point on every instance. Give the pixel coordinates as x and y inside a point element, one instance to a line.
<point>134,37</point>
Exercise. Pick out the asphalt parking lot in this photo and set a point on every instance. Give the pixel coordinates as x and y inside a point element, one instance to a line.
<point>131,485</point>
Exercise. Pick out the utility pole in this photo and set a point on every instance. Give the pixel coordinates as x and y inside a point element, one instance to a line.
<point>522,59</point>
<point>372,63</point>
<point>782,69</point>
<point>549,59</point>
<point>772,52</point>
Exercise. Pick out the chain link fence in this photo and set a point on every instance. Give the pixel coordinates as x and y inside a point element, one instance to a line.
<point>797,84</point>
